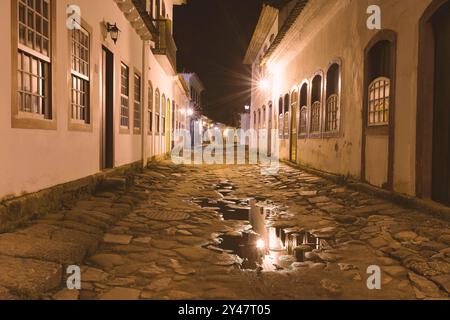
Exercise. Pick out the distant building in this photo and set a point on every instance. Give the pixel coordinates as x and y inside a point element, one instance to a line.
<point>196,91</point>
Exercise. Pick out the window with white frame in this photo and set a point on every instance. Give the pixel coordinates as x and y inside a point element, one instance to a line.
<point>125,96</point>
<point>286,116</point>
<point>303,126</point>
<point>157,111</point>
<point>163,114</point>
<point>332,101</point>
<point>34,58</point>
<point>80,75</point>
<point>316,106</point>
<point>137,102</point>
<point>150,107</point>
<point>379,96</point>
<point>379,81</point>
<point>280,118</point>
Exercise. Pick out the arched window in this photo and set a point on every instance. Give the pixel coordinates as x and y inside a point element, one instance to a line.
<point>254,120</point>
<point>150,107</point>
<point>259,118</point>
<point>163,114</point>
<point>332,112</point>
<point>280,117</point>
<point>303,127</point>
<point>157,111</point>
<point>379,91</point>
<point>264,117</point>
<point>316,104</point>
<point>286,116</point>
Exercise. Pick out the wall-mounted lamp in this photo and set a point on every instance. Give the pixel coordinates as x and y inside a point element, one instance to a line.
<point>190,112</point>
<point>113,31</point>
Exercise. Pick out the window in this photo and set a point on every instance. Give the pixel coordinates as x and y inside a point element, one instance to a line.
<point>280,117</point>
<point>259,118</point>
<point>286,116</point>
<point>34,59</point>
<point>163,114</point>
<point>332,101</point>
<point>124,96</point>
<point>379,95</point>
<point>316,96</point>
<point>264,117</point>
<point>157,111</point>
<point>254,119</point>
<point>137,102</point>
<point>150,107</point>
<point>294,110</point>
<point>303,127</point>
<point>379,91</point>
<point>80,74</point>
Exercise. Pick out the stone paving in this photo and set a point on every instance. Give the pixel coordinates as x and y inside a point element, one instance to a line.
<point>154,242</point>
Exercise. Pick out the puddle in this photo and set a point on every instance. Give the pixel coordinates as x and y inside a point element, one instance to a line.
<point>263,247</point>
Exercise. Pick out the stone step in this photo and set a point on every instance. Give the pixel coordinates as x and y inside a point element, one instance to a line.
<point>24,246</point>
<point>27,277</point>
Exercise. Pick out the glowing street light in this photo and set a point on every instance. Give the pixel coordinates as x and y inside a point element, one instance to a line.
<point>260,244</point>
<point>190,112</point>
<point>264,84</point>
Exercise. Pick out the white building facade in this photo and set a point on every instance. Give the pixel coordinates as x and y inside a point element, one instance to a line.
<point>78,100</point>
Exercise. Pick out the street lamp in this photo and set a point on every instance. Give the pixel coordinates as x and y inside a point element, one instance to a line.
<point>113,31</point>
<point>264,84</point>
<point>190,112</point>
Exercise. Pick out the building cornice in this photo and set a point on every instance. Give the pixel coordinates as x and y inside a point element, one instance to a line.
<point>265,23</point>
<point>291,19</point>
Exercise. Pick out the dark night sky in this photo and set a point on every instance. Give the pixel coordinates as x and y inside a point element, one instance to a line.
<point>212,37</point>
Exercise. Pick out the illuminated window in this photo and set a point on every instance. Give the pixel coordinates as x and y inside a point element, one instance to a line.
<point>332,101</point>
<point>379,82</point>
<point>316,105</point>
<point>379,95</point>
<point>34,59</point>
<point>124,96</point>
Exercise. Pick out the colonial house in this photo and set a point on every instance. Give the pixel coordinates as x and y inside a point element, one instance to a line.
<point>354,100</point>
<point>88,86</point>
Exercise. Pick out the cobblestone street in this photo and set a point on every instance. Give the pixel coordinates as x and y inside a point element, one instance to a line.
<point>176,233</point>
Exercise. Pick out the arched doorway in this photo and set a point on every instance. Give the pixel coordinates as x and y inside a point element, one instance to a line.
<point>168,127</point>
<point>433,104</point>
<point>378,132</point>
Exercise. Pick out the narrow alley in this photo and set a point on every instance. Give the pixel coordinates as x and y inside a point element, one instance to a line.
<point>189,233</point>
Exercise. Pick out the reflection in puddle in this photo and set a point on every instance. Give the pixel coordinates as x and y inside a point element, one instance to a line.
<point>263,247</point>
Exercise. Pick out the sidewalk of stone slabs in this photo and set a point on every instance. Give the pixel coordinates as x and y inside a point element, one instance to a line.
<point>32,260</point>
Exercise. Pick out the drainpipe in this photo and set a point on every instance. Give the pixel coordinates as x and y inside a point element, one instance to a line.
<point>144,114</point>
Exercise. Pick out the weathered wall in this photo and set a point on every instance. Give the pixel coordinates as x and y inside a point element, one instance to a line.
<point>330,29</point>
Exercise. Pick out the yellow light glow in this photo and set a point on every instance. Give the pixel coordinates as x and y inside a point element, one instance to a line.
<point>260,244</point>
<point>264,84</point>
